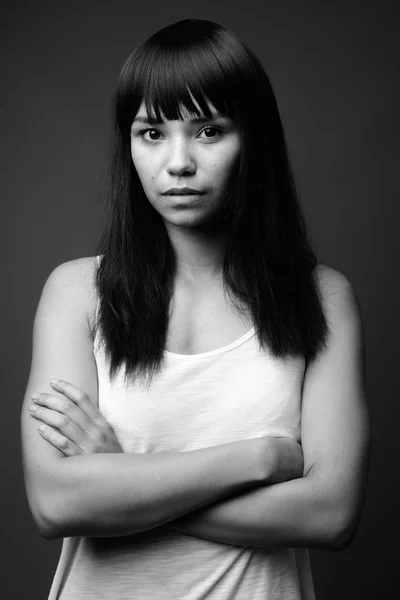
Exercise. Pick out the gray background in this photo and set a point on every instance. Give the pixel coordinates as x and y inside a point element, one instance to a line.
<point>334,69</point>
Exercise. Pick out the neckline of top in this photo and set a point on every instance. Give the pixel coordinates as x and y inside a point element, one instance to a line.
<point>230,346</point>
<point>226,348</point>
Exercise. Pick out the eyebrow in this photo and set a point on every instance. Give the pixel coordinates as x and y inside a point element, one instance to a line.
<point>194,120</point>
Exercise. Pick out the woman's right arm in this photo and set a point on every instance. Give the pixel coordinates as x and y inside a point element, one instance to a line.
<point>110,494</point>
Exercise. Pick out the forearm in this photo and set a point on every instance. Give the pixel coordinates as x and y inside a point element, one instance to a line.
<point>120,494</point>
<point>295,513</point>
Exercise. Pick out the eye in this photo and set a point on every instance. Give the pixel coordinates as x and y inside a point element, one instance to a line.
<point>217,129</point>
<point>143,131</point>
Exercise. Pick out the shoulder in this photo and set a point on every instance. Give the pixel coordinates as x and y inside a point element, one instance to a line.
<point>74,282</point>
<point>77,275</point>
<point>330,278</point>
<point>78,272</point>
<point>338,296</point>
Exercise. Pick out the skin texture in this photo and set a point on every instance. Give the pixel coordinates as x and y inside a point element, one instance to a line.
<point>180,153</point>
<point>202,156</point>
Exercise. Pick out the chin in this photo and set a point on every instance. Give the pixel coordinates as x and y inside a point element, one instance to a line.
<point>190,219</point>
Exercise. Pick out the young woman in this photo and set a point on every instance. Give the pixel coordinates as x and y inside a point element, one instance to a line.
<point>191,348</point>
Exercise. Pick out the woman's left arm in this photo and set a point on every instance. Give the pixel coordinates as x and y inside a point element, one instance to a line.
<point>323,508</point>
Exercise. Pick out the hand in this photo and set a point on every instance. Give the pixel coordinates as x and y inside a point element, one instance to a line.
<point>283,459</point>
<point>73,424</point>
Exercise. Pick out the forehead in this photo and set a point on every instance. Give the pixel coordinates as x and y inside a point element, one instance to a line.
<point>142,112</point>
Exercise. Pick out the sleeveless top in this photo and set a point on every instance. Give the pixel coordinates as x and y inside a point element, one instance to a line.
<point>233,393</point>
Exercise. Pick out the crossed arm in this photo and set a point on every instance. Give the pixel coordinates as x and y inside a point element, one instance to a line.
<point>336,447</point>
<point>323,507</point>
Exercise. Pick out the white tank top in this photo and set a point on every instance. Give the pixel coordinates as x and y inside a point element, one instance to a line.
<point>233,393</point>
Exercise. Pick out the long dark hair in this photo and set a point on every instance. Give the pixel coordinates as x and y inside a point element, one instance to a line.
<point>269,262</point>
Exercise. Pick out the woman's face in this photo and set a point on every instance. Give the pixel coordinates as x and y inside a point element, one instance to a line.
<point>176,154</point>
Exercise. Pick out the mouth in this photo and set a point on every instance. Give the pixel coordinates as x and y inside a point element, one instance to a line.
<point>183,192</point>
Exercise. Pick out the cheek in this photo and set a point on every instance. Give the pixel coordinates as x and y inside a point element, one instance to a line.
<point>224,164</point>
<point>143,168</point>
<point>137,160</point>
<point>229,154</point>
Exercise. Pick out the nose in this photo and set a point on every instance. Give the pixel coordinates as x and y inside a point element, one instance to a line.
<point>180,159</point>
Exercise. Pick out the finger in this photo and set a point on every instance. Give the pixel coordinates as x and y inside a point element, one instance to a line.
<point>64,406</point>
<point>79,397</point>
<point>66,426</point>
<point>59,441</point>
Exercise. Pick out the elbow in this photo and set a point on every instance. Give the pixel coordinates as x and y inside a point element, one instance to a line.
<point>49,531</point>
<point>50,528</point>
<point>54,521</point>
<point>341,532</point>
<point>50,502</point>
<point>47,519</point>
<point>46,526</point>
<point>344,536</point>
<point>340,541</point>
<point>62,516</point>
<point>337,517</point>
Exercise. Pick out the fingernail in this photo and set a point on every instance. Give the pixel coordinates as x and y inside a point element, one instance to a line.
<point>33,409</point>
<point>54,381</point>
<point>35,396</point>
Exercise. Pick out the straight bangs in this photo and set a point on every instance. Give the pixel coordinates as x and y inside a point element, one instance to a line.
<point>168,65</point>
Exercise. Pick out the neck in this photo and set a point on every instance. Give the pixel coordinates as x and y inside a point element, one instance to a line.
<point>199,252</point>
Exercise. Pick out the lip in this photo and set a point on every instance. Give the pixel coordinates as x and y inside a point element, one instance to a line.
<point>185,191</point>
